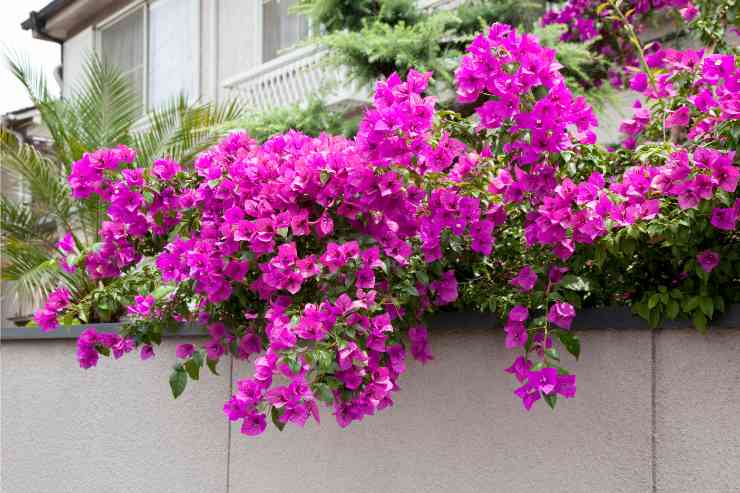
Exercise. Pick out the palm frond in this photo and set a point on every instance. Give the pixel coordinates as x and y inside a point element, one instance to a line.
<point>32,268</point>
<point>44,176</point>
<point>105,106</point>
<point>179,130</point>
<point>21,222</point>
<point>52,110</point>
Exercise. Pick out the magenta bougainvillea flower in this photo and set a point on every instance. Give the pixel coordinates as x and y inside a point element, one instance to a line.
<point>525,279</point>
<point>561,314</point>
<point>318,258</point>
<point>708,260</point>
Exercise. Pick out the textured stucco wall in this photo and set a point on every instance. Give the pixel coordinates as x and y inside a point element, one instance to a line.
<point>697,412</point>
<point>115,428</point>
<point>455,427</point>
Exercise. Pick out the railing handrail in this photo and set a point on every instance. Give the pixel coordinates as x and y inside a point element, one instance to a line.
<point>288,58</point>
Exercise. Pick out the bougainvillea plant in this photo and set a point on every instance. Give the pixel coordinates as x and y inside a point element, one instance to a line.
<point>319,258</point>
<point>611,27</point>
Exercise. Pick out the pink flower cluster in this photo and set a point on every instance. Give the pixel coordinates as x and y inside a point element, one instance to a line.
<point>540,382</point>
<point>501,73</point>
<point>132,215</point>
<point>284,224</point>
<point>507,67</point>
<point>91,343</point>
<point>714,92</point>
<point>47,317</point>
<point>316,254</point>
<point>88,175</point>
<point>585,20</point>
<point>589,20</point>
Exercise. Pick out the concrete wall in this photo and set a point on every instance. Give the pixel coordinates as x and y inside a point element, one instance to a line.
<point>76,51</point>
<point>655,412</point>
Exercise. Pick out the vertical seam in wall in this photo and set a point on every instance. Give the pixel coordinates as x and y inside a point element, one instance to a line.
<point>228,424</point>
<point>653,377</point>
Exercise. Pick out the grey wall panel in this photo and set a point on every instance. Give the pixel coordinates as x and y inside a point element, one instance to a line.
<point>114,428</point>
<point>76,50</point>
<point>457,427</point>
<point>698,412</point>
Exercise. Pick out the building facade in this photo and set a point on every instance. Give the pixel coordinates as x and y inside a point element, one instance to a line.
<point>210,50</point>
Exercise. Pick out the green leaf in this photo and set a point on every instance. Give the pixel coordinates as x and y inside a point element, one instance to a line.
<point>551,399</point>
<point>422,277</point>
<point>654,318</point>
<point>293,363</point>
<point>653,301</point>
<point>178,381</point>
<point>275,415</point>
<point>191,366</point>
<point>163,291</point>
<point>575,283</point>
<point>411,290</point>
<point>198,358</point>
<point>641,309</point>
<point>323,360</point>
<point>691,304</point>
<point>323,392</point>
<point>700,321</point>
<point>552,353</point>
<point>537,366</point>
<point>672,309</point>
<point>212,366</point>
<point>571,342</point>
<point>707,306</point>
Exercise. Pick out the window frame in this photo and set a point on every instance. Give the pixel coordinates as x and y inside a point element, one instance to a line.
<point>117,17</point>
<point>144,6</point>
<point>278,55</point>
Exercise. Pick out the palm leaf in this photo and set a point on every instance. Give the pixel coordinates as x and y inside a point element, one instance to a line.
<point>20,222</point>
<point>105,107</point>
<point>31,268</point>
<point>52,110</point>
<point>43,175</point>
<point>179,131</point>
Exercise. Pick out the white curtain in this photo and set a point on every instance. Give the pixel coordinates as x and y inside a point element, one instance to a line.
<point>173,50</point>
<point>280,29</point>
<point>122,44</point>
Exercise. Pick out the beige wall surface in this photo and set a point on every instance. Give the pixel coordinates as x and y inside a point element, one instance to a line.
<point>75,51</point>
<point>698,412</point>
<point>114,428</point>
<point>456,427</point>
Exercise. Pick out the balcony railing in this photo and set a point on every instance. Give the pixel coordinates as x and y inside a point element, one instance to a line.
<point>291,79</point>
<point>298,75</point>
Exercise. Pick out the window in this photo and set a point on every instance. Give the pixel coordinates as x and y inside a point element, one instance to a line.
<point>173,50</point>
<point>280,29</point>
<point>122,44</point>
<point>156,45</point>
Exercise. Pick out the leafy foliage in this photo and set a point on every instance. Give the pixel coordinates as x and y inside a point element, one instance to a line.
<point>396,43</point>
<point>102,111</point>
<point>380,48</point>
<point>312,118</point>
<point>338,15</point>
